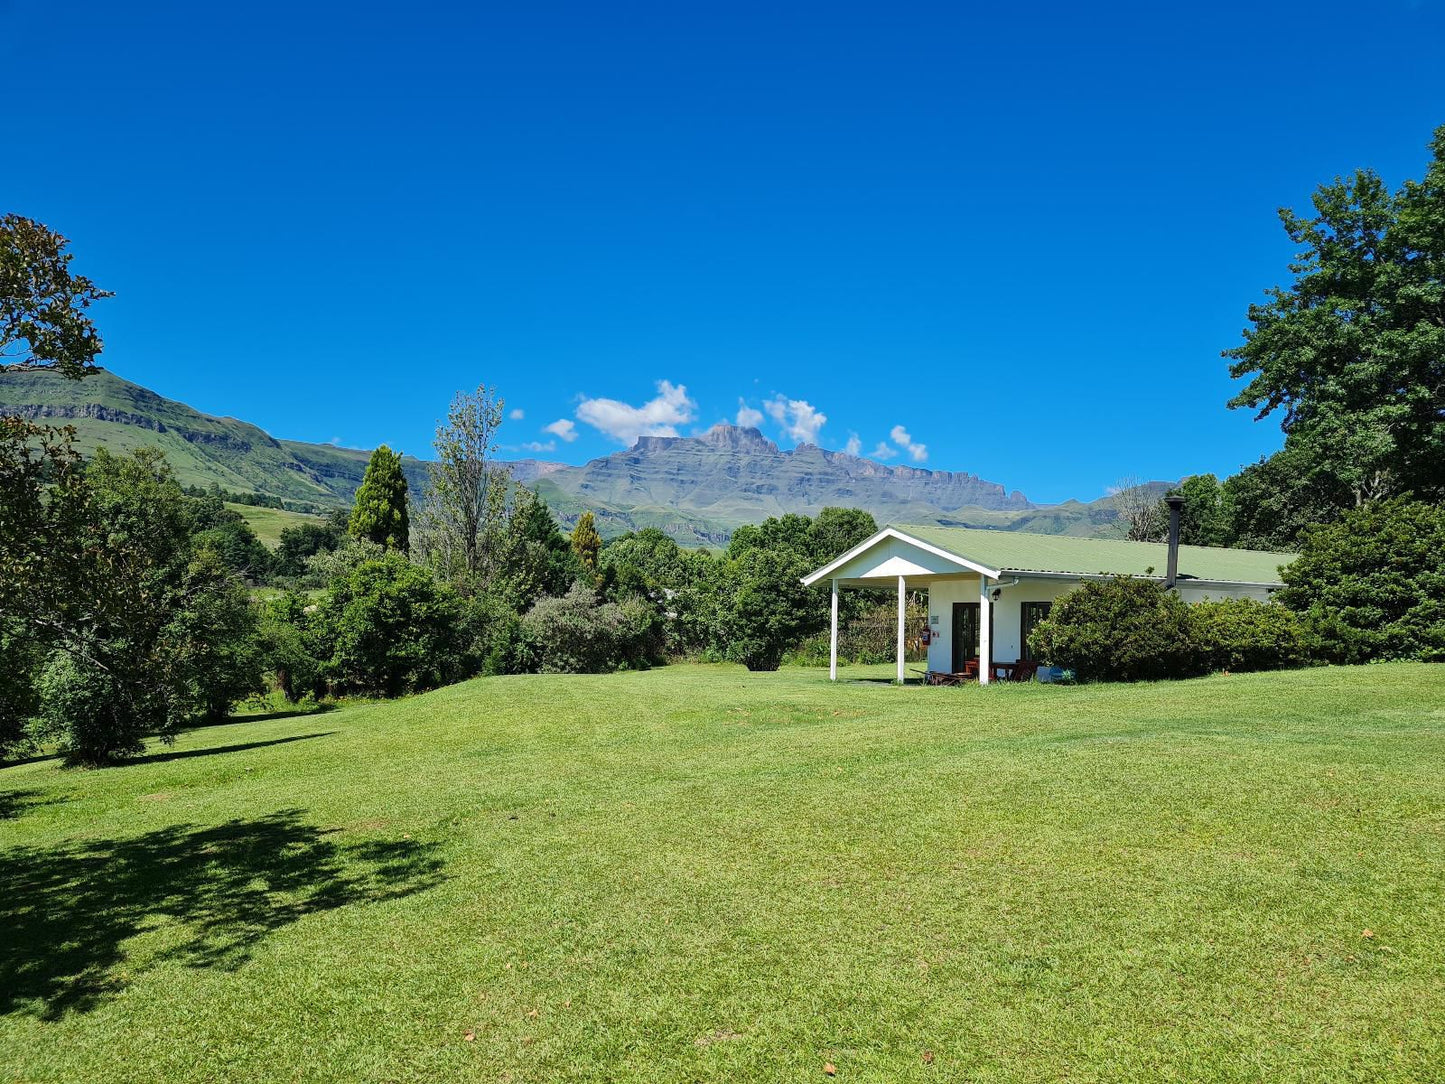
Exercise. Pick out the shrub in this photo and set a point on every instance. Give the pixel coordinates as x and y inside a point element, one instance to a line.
<point>1121,629</point>
<point>388,627</point>
<point>1241,634</point>
<point>1372,586</point>
<point>96,718</point>
<point>575,634</point>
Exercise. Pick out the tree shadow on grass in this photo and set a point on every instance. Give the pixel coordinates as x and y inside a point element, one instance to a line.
<point>187,754</point>
<point>15,803</point>
<point>67,912</point>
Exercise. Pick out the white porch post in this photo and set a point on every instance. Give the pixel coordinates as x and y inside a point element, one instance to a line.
<point>985,633</point>
<point>833,637</point>
<point>902,615</point>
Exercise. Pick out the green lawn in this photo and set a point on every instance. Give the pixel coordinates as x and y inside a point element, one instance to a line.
<point>701,874</point>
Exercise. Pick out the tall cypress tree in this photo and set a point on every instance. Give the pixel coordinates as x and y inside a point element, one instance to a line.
<point>587,544</point>
<point>380,512</point>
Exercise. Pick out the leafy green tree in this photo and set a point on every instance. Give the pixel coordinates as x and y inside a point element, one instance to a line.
<point>142,627</point>
<point>1270,503</point>
<point>1204,520</point>
<point>379,513</point>
<point>762,608</point>
<point>834,531</point>
<point>1352,352</point>
<point>649,564</point>
<point>587,544</point>
<point>387,627</point>
<point>456,502</point>
<point>1372,585</point>
<point>528,555</point>
<point>43,321</point>
<point>1120,629</point>
<point>289,645</point>
<point>299,543</point>
<point>226,531</point>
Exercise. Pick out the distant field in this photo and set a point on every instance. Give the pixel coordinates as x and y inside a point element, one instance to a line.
<point>698,873</point>
<point>268,523</point>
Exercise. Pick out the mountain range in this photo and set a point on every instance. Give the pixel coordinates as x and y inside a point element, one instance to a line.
<point>697,488</point>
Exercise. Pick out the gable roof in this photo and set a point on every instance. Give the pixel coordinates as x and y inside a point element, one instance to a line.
<point>1010,552</point>
<point>1019,551</point>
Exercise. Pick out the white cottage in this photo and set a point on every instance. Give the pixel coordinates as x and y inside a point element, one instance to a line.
<point>988,589</point>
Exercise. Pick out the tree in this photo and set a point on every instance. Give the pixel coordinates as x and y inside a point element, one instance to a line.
<point>649,563</point>
<point>456,500</point>
<point>1269,504</point>
<point>1372,585</point>
<point>300,543</point>
<point>835,531</point>
<point>1204,518</point>
<point>762,608</point>
<point>1352,352</point>
<point>131,622</point>
<point>388,627</point>
<point>379,513</point>
<point>1140,513</point>
<point>587,544</point>
<point>529,556</point>
<point>43,321</point>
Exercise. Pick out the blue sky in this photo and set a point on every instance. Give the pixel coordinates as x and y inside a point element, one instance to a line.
<point>1009,240</point>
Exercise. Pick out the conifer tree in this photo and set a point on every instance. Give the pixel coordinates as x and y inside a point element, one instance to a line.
<point>380,512</point>
<point>587,543</point>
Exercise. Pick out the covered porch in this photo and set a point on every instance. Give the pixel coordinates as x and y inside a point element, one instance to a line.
<point>965,624</point>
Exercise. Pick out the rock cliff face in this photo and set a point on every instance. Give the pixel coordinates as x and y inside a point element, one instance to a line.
<point>697,488</point>
<point>737,474</point>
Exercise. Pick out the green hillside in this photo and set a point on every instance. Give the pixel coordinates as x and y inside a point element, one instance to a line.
<point>700,874</point>
<point>268,523</point>
<point>109,411</point>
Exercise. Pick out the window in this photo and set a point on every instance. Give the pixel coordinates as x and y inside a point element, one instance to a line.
<point>1033,613</point>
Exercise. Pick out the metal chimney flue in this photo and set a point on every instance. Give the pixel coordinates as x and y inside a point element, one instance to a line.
<point>1171,573</point>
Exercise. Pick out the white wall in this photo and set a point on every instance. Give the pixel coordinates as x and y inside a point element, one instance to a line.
<point>1008,611</point>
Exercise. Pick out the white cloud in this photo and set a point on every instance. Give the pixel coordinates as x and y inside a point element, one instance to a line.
<point>854,445</point>
<point>517,414</point>
<point>749,418</point>
<point>624,422</point>
<point>538,446</point>
<point>799,418</point>
<point>883,451</point>
<point>565,428</point>
<point>917,452</point>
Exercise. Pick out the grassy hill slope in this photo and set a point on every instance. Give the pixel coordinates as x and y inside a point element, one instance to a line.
<point>744,877</point>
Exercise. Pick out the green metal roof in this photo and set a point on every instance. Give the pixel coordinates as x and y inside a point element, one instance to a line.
<point>1019,551</point>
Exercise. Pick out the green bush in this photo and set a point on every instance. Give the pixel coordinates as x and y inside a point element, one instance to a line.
<point>1241,634</point>
<point>1372,585</point>
<point>95,717</point>
<point>1121,629</point>
<point>388,627</point>
<point>575,634</point>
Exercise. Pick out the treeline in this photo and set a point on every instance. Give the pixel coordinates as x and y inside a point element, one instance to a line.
<point>129,608</point>
<point>256,500</point>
